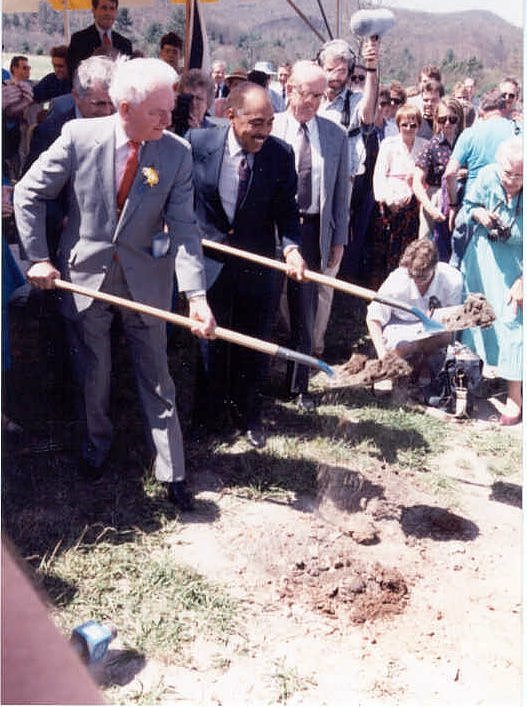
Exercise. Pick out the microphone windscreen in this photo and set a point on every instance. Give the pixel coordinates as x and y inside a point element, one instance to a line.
<point>368,23</point>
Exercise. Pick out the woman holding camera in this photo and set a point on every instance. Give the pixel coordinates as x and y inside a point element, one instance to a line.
<point>493,265</point>
<point>428,176</point>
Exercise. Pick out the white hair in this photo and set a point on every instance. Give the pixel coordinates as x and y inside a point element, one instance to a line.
<point>96,70</point>
<point>305,70</point>
<point>510,150</point>
<point>133,80</point>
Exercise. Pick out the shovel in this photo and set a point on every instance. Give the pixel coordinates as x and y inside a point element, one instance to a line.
<point>233,337</point>
<point>431,326</point>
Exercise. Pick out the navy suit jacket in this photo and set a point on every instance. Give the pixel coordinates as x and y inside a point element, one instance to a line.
<point>84,41</point>
<point>46,132</point>
<point>269,206</point>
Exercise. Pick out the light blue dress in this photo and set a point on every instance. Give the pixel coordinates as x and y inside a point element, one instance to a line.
<point>492,268</point>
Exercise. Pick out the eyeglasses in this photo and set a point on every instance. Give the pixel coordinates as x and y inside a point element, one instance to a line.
<point>396,101</point>
<point>358,78</point>
<point>442,119</point>
<point>512,175</point>
<point>100,104</point>
<point>383,104</point>
<point>508,96</point>
<point>410,126</point>
<point>306,95</point>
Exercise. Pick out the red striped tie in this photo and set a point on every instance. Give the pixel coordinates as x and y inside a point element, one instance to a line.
<point>106,41</point>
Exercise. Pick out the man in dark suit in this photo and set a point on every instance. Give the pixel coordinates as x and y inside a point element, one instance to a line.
<point>245,185</point>
<point>217,73</point>
<point>99,34</point>
<point>130,225</point>
<point>89,99</point>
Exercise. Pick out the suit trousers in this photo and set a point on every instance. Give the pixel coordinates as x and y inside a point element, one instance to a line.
<point>302,300</point>
<point>90,345</point>
<point>244,298</point>
<point>325,300</point>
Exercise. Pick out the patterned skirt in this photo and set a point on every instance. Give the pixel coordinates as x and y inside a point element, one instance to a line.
<point>391,234</point>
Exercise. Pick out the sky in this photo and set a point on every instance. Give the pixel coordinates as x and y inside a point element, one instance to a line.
<point>510,10</point>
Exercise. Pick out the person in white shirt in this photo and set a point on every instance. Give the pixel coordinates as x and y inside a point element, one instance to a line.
<point>420,281</point>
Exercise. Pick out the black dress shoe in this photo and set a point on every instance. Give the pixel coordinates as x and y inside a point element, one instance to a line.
<point>256,437</point>
<point>91,472</point>
<point>305,403</point>
<point>179,494</point>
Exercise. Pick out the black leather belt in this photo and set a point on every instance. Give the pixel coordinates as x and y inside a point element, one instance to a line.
<point>309,218</point>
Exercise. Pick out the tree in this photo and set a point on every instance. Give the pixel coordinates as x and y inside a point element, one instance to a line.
<point>176,23</point>
<point>153,33</point>
<point>124,20</point>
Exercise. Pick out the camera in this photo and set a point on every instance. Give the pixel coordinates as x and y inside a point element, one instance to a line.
<point>181,113</point>
<point>499,231</point>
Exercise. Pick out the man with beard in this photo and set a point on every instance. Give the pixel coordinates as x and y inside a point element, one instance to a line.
<point>355,112</point>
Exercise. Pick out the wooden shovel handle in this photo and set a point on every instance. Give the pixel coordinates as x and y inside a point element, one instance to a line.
<point>233,337</point>
<point>334,282</point>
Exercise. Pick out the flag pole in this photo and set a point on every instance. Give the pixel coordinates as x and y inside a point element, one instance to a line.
<point>188,33</point>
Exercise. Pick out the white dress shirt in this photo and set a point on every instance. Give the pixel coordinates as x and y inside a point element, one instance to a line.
<point>228,182</point>
<point>293,136</point>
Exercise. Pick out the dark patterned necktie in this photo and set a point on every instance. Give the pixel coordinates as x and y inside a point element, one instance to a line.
<point>244,175</point>
<point>304,170</point>
<point>106,41</point>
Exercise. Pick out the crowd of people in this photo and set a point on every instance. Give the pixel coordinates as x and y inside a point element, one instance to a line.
<point>121,167</point>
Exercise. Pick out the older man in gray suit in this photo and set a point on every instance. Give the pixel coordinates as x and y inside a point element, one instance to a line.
<point>323,194</point>
<point>130,219</point>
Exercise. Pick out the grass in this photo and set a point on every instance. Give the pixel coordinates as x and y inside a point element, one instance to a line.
<point>103,551</point>
<point>288,681</point>
<point>503,452</point>
<point>157,605</point>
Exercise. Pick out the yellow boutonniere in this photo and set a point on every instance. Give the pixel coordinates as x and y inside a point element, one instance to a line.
<point>151,176</point>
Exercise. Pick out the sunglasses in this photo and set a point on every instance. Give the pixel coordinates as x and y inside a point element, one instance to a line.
<point>358,78</point>
<point>508,96</point>
<point>442,119</point>
<point>411,126</point>
<point>396,101</point>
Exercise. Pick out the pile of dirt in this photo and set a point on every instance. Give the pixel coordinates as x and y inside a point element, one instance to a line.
<point>360,370</point>
<point>346,590</point>
<point>475,312</point>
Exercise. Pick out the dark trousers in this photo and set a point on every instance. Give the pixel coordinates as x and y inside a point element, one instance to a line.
<point>302,304</point>
<point>230,377</point>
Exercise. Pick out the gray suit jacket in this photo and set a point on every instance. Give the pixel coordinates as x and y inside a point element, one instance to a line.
<point>335,185</point>
<point>82,159</point>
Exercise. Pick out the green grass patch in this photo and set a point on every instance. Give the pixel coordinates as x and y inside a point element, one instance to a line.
<point>502,451</point>
<point>156,604</point>
<point>288,681</point>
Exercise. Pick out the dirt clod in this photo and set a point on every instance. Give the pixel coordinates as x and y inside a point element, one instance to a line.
<point>360,370</point>
<point>354,594</point>
<point>475,312</point>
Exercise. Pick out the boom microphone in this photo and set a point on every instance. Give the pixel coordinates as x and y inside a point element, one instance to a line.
<point>371,23</point>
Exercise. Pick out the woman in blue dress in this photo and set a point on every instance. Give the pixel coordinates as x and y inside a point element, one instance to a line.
<point>493,265</point>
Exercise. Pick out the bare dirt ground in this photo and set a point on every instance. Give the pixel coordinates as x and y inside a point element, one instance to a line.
<point>377,590</point>
<point>373,593</point>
